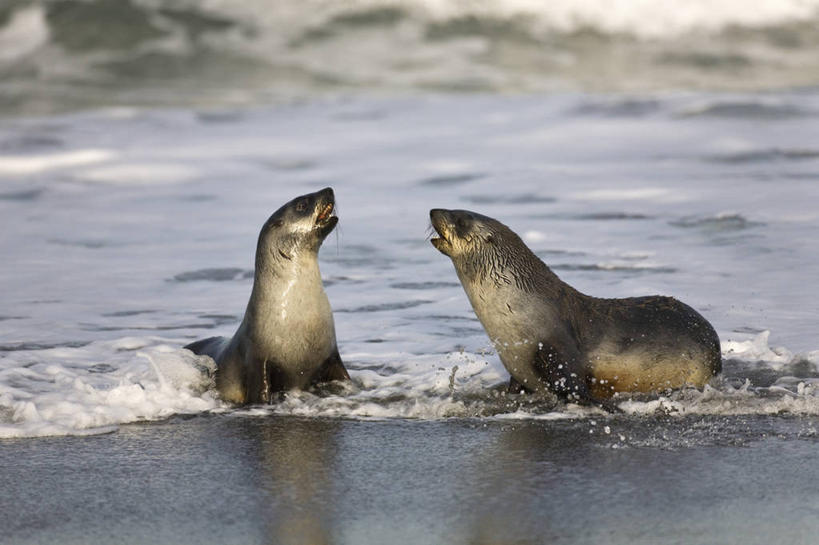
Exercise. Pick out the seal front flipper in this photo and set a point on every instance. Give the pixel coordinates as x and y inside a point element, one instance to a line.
<point>514,387</point>
<point>563,376</point>
<point>556,370</point>
<point>332,369</point>
<point>211,346</point>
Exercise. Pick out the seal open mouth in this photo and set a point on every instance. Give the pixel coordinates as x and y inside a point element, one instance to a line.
<point>439,223</point>
<point>440,238</point>
<point>326,220</point>
<point>326,213</point>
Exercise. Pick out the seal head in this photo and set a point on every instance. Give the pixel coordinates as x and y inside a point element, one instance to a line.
<point>300,225</point>
<point>486,251</point>
<point>461,232</point>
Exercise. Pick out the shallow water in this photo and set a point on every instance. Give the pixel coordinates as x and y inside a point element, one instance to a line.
<point>132,233</point>
<point>234,479</point>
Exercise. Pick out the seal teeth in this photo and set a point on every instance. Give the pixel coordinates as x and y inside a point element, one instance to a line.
<point>325,212</point>
<point>439,232</point>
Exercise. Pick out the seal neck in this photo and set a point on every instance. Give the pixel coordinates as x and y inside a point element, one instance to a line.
<point>281,286</point>
<point>274,279</point>
<point>509,264</point>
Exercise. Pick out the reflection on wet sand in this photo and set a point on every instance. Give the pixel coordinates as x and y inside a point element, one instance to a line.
<point>296,460</point>
<point>523,497</point>
<point>501,472</point>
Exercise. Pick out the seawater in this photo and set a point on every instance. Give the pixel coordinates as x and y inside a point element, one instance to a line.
<point>224,479</point>
<point>59,55</point>
<point>128,232</point>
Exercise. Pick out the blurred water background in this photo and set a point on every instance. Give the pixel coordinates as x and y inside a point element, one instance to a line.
<point>58,55</point>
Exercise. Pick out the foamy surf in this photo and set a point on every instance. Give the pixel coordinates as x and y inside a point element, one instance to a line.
<point>469,385</point>
<point>95,388</point>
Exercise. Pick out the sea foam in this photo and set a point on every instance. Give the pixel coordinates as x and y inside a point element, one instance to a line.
<point>95,388</point>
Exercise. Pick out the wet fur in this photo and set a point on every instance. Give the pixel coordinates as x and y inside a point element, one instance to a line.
<point>287,337</point>
<point>550,336</point>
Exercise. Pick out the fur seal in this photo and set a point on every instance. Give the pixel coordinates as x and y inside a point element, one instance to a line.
<point>287,337</point>
<point>550,336</point>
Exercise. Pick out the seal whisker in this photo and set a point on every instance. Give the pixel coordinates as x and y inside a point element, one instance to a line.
<point>338,243</point>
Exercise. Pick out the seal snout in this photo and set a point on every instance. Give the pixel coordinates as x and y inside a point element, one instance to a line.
<point>438,217</point>
<point>325,218</point>
<point>440,222</point>
<point>325,205</point>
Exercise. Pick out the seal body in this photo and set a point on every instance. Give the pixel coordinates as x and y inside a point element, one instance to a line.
<point>286,339</point>
<point>550,336</point>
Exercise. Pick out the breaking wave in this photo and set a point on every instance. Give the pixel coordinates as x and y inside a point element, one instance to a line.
<point>61,54</point>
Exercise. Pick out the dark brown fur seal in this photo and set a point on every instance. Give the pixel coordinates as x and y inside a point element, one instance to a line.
<point>287,337</point>
<point>550,336</point>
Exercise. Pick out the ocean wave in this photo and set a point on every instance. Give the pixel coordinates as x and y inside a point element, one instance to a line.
<point>59,54</point>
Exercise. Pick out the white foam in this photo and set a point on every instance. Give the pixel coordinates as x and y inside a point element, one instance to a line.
<point>33,164</point>
<point>658,194</point>
<point>657,19</point>
<point>139,173</point>
<point>757,349</point>
<point>725,400</point>
<point>641,18</point>
<point>534,236</point>
<point>62,391</point>
<point>467,385</point>
<point>625,265</point>
<point>405,386</point>
<point>25,31</point>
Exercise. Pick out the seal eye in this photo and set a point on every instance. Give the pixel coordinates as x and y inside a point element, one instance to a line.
<point>461,223</point>
<point>301,206</point>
